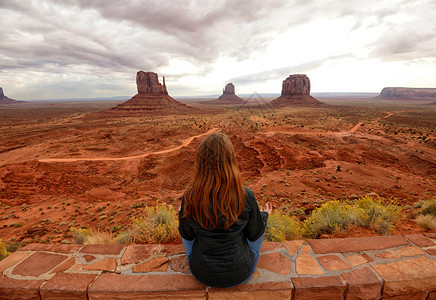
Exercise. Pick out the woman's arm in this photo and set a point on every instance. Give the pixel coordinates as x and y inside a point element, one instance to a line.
<point>257,221</point>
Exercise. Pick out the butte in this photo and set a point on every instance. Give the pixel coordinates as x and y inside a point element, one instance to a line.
<point>152,97</point>
<point>228,96</point>
<point>6,100</point>
<point>296,92</point>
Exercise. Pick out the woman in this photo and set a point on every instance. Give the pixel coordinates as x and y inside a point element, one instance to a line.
<point>220,222</point>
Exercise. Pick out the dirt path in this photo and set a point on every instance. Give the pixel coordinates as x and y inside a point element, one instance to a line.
<point>185,143</point>
<point>388,115</point>
<point>354,129</point>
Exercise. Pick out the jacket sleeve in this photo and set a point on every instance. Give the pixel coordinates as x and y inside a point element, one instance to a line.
<point>257,221</point>
<point>185,230</point>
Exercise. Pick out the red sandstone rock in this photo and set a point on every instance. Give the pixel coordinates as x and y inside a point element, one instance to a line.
<point>67,286</point>
<point>333,263</point>
<point>173,249</point>
<point>293,246</point>
<point>326,246</point>
<point>296,91</point>
<point>408,277</point>
<point>270,246</point>
<point>180,264</point>
<point>58,248</point>
<point>322,288</point>
<point>356,260</point>
<point>38,264</point>
<point>6,100</point>
<point>307,265</point>
<point>410,251</point>
<point>11,260</point>
<point>65,265</point>
<point>152,97</point>
<point>110,286</point>
<point>107,264</point>
<point>362,284</point>
<point>102,249</point>
<point>274,262</point>
<point>138,253</point>
<point>19,289</point>
<point>265,290</point>
<point>420,240</point>
<point>159,264</point>
<point>388,254</point>
<point>431,251</point>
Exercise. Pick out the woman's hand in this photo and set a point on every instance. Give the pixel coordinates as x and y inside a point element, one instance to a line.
<point>267,208</point>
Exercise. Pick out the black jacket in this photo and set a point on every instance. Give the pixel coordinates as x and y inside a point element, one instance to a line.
<point>222,258</point>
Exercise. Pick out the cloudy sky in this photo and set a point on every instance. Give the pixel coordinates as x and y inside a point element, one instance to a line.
<point>93,48</point>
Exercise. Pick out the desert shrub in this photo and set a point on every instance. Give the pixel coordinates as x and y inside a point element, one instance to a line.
<point>426,222</point>
<point>99,237</point>
<point>282,227</point>
<point>159,224</point>
<point>376,215</point>
<point>3,251</point>
<point>331,216</point>
<point>428,207</point>
<point>122,238</point>
<point>80,234</point>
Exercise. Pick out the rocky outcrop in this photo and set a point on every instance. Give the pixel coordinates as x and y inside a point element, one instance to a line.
<point>152,97</point>
<point>6,100</point>
<point>148,83</point>
<point>401,93</point>
<point>228,96</point>
<point>296,91</point>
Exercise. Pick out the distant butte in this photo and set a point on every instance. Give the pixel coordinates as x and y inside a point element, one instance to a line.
<point>152,97</point>
<point>296,92</point>
<point>228,96</point>
<point>6,100</point>
<point>401,93</point>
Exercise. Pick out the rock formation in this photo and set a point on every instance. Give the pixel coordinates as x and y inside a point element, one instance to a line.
<point>6,100</point>
<point>152,97</point>
<point>296,91</point>
<point>400,93</point>
<point>228,96</point>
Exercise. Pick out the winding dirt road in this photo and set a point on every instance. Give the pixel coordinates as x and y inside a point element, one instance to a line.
<point>185,143</point>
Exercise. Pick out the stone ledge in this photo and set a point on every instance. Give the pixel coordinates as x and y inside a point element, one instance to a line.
<point>392,267</point>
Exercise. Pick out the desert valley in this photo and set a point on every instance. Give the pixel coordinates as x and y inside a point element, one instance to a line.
<point>97,164</point>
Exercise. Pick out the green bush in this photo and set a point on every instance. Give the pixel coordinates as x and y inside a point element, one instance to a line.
<point>3,251</point>
<point>376,215</point>
<point>282,227</point>
<point>159,224</point>
<point>331,216</point>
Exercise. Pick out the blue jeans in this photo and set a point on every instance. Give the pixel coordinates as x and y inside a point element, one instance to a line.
<point>254,246</point>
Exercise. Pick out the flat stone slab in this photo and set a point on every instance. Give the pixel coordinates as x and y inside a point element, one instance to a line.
<point>420,240</point>
<point>173,249</point>
<point>356,259</point>
<point>356,244</point>
<point>322,288</point>
<point>274,262</point>
<point>138,253</point>
<point>362,284</point>
<point>58,248</point>
<point>265,290</point>
<point>158,264</point>
<point>410,251</point>
<point>270,246</point>
<point>333,263</point>
<point>19,289</point>
<point>67,286</point>
<point>293,246</point>
<point>307,265</point>
<point>180,264</point>
<point>146,287</point>
<point>38,263</point>
<point>102,249</point>
<point>406,277</point>
<point>11,260</point>
<point>107,264</point>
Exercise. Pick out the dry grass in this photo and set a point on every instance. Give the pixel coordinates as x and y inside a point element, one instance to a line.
<point>426,222</point>
<point>3,251</point>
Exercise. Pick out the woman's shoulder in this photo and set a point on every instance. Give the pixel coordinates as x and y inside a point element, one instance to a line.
<point>249,195</point>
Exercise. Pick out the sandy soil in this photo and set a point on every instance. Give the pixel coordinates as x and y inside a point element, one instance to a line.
<point>66,165</point>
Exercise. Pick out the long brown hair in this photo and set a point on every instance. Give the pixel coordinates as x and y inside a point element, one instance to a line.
<point>217,193</point>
